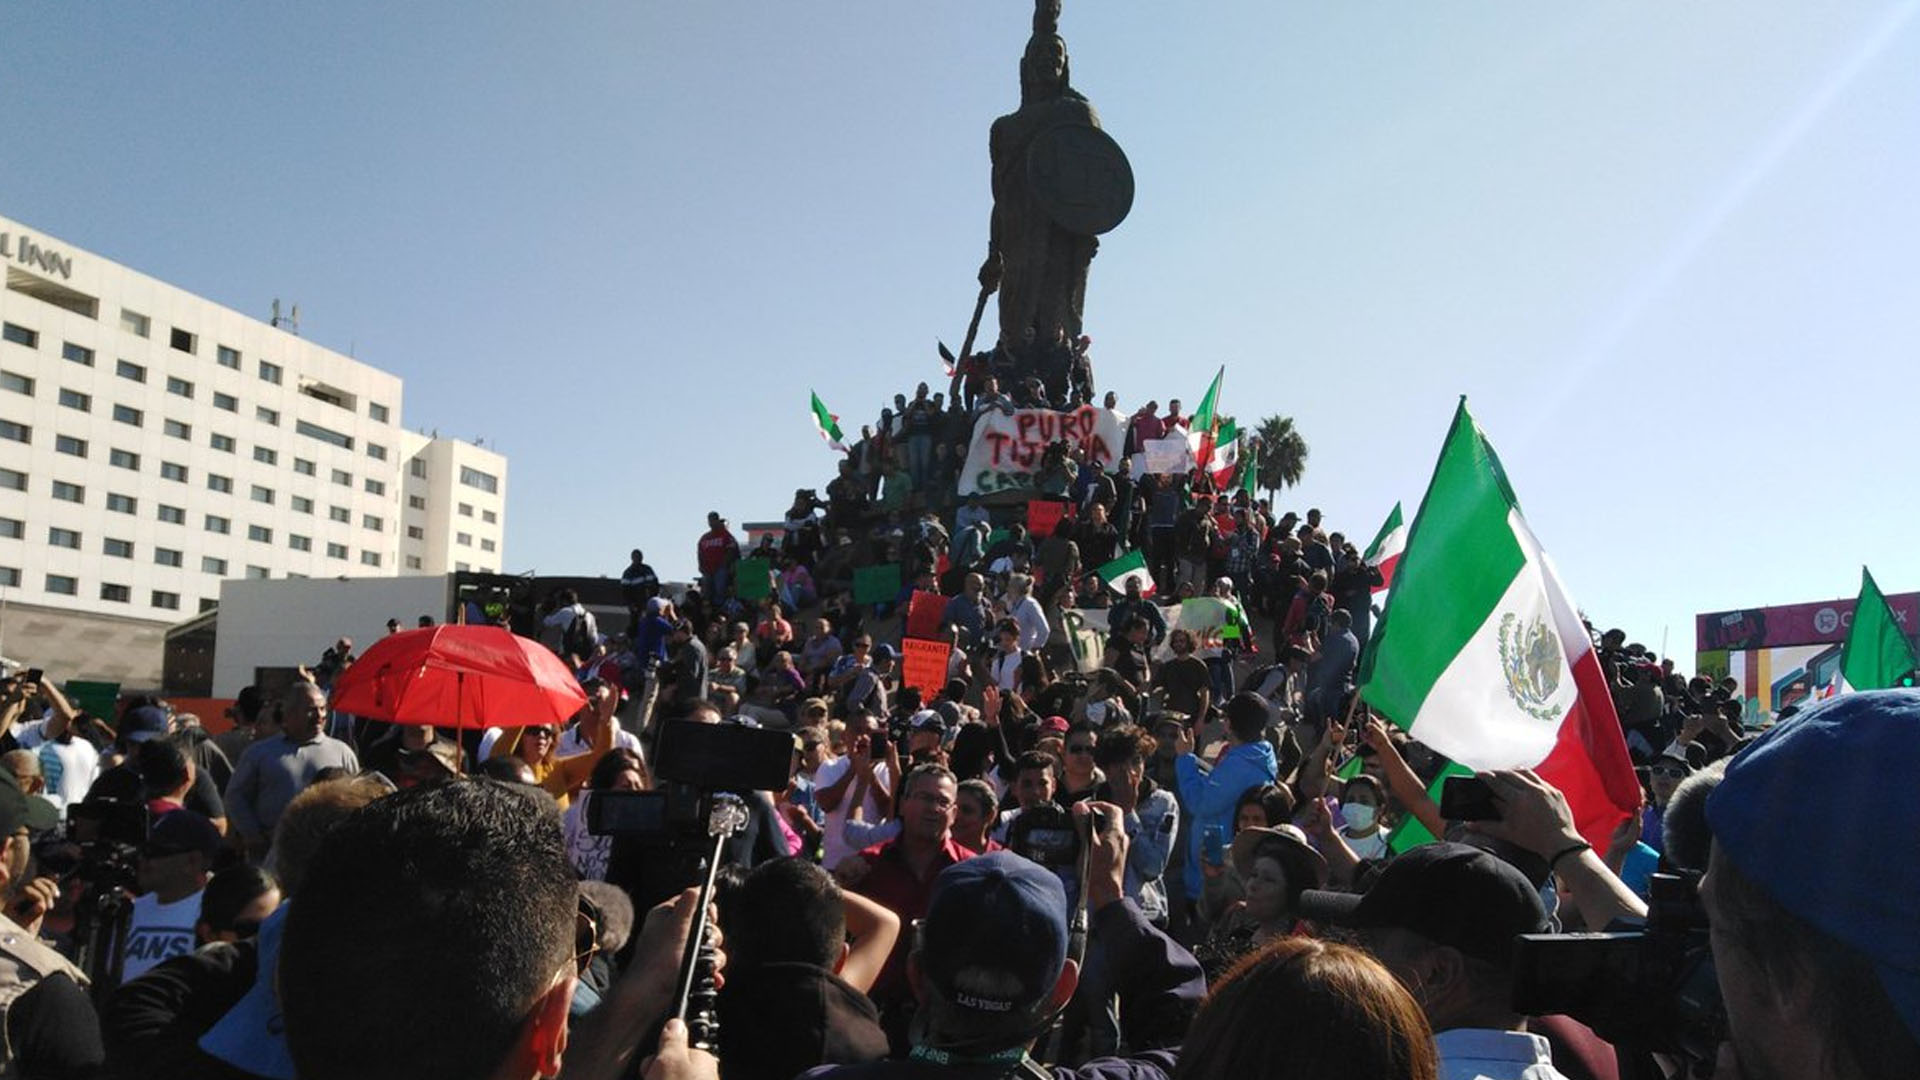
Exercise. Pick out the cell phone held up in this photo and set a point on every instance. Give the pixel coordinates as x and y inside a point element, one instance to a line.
<point>1468,798</point>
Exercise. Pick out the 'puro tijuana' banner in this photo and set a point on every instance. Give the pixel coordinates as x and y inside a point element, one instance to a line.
<point>1007,448</point>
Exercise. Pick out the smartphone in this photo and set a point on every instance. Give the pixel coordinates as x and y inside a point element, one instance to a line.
<point>1213,845</point>
<point>34,675</point>
<point>1468,798</point>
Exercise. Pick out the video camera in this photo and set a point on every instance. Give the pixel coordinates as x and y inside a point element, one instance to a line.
<point>692,763</point>
<point>1646,985</point>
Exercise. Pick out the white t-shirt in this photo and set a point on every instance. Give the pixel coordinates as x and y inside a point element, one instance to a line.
<point>834,846</point>
<point>158,932</point>
<point>70,768</point>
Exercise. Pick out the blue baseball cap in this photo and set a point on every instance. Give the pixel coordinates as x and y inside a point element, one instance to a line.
<point>143,723</point>
<point>1002,913</point>
<point>1826,861</point>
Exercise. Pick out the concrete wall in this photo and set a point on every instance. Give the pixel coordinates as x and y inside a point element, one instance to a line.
<point>290,622</point>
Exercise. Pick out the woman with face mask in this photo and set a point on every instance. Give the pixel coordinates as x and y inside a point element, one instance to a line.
<point>1360,824</point>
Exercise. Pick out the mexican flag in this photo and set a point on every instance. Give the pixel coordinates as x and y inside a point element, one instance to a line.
<point>1481,654</point>
<point>1200,427</point>
<point>1129,567</point>
<point>1226,455</point>
<point>1384,553</point>
<point>828,424</point>
<point>1877,654</point>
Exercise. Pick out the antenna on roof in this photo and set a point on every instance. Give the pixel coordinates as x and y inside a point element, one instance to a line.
<point>289,322</point>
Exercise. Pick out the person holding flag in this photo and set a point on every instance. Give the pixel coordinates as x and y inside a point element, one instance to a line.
<point>1878,655</point>
<point>1482,656</point>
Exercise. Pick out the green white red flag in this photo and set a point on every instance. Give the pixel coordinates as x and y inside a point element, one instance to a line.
<point>1878,654</point>
<point>1388,544</point>
<point>1481,654</point>
<point>1129,567</point>
<point>1226,454</point>
<point>827,424</point>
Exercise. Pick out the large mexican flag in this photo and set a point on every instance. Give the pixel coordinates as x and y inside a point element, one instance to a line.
<point>1877,654</point>
<point>1482,656</point>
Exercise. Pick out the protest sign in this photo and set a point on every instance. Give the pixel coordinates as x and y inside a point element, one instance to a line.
<point>923,614</point>
<point>1172,455</point>
<point>1007,448</point>
<point>753,579</point>
<point>876,584</point>
<point>1043,517</point>
<point>924,664</point>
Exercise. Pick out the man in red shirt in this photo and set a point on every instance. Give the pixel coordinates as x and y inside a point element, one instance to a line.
<point>900,877</point>
<point>718,551</point>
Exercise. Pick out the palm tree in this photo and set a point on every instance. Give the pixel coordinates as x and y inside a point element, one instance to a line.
<point>1280,455</point>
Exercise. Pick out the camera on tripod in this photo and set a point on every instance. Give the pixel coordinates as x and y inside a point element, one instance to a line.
<point>1646,985</point>
<point>110,834</point>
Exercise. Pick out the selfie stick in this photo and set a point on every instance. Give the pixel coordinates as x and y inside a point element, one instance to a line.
<point>728,816</point>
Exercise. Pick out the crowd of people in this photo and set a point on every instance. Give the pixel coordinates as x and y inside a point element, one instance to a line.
<point>1098,844</point>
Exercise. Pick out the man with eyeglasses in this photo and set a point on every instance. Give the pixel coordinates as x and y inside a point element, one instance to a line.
<point>900,875</point>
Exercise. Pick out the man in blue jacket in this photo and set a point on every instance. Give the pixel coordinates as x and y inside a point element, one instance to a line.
<point>1209,795</point>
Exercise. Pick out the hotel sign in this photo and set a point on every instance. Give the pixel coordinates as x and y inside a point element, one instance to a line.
<point>20,248</point>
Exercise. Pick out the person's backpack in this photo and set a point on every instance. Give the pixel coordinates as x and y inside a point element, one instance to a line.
<point>581,637</point>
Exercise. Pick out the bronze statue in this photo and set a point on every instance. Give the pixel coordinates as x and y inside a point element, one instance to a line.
<point>1058,182</point>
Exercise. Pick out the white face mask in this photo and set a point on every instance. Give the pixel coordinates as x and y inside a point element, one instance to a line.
<point>1358,817</point>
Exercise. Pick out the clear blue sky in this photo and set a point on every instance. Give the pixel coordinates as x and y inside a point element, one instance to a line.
<point>1670,251</point>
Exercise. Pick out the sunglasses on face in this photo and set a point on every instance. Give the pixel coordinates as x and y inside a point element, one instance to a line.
<point>1080,748</point>
<point>586,935</point>
<point>1669,772</point>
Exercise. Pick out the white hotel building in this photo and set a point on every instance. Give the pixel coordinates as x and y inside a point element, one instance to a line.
<point>154,443</point>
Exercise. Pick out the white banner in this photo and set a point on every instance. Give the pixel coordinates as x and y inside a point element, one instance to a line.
<point>1172,455</point>
<point>1007,449</point>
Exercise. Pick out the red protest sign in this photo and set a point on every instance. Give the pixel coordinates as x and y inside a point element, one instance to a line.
<point>923,614</point>
<point>1043,516</point>
<point>924,664</point>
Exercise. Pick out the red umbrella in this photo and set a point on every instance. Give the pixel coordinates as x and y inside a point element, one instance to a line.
<point>461,677</point>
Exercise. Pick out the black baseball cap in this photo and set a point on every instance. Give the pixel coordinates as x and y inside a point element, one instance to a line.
<point>1448,893</point>
<point>178,832</point>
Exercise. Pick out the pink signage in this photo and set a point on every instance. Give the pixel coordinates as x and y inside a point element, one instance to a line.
<point>1792,624</point>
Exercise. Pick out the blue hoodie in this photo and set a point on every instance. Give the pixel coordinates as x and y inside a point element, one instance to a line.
<point>1210,795</point>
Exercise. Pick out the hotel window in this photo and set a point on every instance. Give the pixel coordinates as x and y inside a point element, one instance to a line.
<point>266,455</point>
<point>10,577</point>
<point>303,467</point>
<point>67,444</point>
<point>123,459</point>
<point>474,478</point>
<point>117,549</point>
<point>416,502</point>
<point>370,558</point>
<point>226,401</point>
<point>376,412</point>
<point>118,594</point>
<point>221,484</point>
<point>127,414</point>
<point>183,340</point>
<point>135,323</point>
<point>464,510</point>
<point>262,494</point>
<point>486,545</point>
<point>126,369</point>
<point>173,515</point>
<point>173,470</point>
<point>336,551</point>
<point>79,354</point>
<point>413,562</point>
<point>374,450</point>
<point>177,429</point>
<point>217,524</point>
<point>122,504</point>
<point>211,565</point>
<point>14,431</point>
<point>417,468</point>
<point>325,435</point>
<point>302,504</point>
<point>463,539</point>
<point>66,538</point>
<point>20,384</point>
<point>489,517</point>
<point>20,335</point>
<point>63,585</point>
<point>227,358</point>
<point>65,492</point>
<point>299,543</point>
<point>74,399</point>
<point>368,521</point>
<point>415,532</point>
<point>270,372</point>
<point>222,443</point>
<point>168,557</point>
<point>266,415</point>
<point>260,533</point>
<point>343,477</point>
<point>179,386</point>
<point>12,529</point>
<point>167,601</point>
<point>258,573</point>
<point>13,480</point>
<point>339,513</point>
<point>375,487</point>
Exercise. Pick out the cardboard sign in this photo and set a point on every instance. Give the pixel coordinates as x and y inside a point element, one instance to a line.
<point>876,584</point>
<point>753,579</point>
<point>924,664</point>
<point>923,614</point>
<point>1006,450</point>
<point>1044,516</point>
<point>1172,456</point>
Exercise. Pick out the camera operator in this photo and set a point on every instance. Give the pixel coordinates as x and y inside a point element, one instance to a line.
<point>47,1016</point>
<point>1814,896</point>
